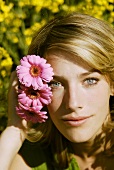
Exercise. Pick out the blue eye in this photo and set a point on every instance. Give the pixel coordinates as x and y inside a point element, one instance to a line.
<point>91,81</point>
<point>55,84</point>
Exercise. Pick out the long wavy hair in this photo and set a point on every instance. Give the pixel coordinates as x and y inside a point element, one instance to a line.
<point>90,39</point>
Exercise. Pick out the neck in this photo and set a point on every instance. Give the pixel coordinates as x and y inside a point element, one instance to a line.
<point>90,148</point>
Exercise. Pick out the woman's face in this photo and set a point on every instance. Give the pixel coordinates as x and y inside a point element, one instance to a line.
<point>80,102</point>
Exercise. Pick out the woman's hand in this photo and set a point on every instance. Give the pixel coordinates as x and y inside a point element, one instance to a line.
<point>13,118</point>
<point>14,135</point>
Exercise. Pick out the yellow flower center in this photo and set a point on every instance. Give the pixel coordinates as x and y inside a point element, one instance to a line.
<point>35,71</point>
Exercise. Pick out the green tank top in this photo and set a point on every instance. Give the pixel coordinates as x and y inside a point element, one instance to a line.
<point>45,162</point>
<point>40,158</point>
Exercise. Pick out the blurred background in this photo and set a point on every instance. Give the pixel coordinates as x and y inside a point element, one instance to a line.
<point>18,21</point>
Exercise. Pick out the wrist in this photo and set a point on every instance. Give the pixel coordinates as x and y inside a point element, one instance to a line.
<point>16,132</point>
<point>11,141</point>
<point>12,138</point>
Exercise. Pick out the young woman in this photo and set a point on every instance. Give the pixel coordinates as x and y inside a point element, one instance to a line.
<point>79,131</point>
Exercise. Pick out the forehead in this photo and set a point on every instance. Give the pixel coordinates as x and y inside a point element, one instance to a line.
<point>66,58</point>
<point>66,69</point>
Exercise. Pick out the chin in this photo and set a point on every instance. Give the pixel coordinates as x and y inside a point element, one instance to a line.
<point>80,139</point>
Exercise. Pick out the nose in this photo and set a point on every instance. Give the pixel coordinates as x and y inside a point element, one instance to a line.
<point>74,98</point>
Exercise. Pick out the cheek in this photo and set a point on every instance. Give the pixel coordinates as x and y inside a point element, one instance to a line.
<point>99,100</point>
<point>99,95</point>
<point>56,103</point>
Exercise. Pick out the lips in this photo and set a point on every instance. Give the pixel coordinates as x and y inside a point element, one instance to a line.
<point>75,121</point>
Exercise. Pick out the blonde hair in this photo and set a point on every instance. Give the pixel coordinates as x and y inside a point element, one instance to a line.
<point>83,36</point>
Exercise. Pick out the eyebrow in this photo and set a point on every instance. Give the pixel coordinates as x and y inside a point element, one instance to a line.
<point>90,72</point>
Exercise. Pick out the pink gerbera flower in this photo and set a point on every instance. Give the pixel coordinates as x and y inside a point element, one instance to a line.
<point>34,93</point>
<point>33,71</point>
<point>34,117</point>
<point>29,97</point>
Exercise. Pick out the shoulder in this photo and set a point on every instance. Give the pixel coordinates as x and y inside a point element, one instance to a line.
<point>18,163</point>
